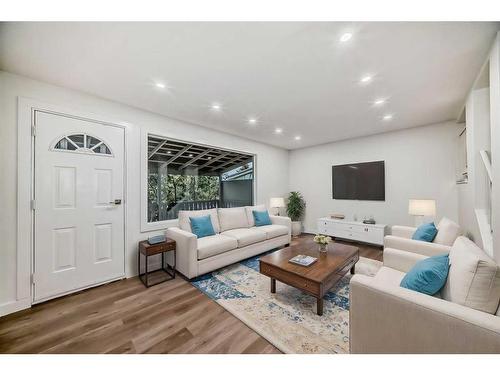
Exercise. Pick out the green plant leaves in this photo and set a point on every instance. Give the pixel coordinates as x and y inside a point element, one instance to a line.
<point>296,206</point>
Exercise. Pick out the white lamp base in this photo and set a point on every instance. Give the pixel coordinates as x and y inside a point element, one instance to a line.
<point>420,219</point>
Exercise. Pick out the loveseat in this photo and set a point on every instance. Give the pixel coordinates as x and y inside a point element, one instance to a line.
<point>464,317</point>
<point>236,238</point>
<point>401,238</point>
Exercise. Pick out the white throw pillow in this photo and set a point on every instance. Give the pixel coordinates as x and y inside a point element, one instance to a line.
<point>232,218</point>
<point>473,279</point>
<point>249,209</point>
<point>448,231</point>
<point>185,223</point>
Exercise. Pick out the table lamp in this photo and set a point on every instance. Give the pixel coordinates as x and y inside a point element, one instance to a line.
<point>421,208</point>
<point>277,203</point>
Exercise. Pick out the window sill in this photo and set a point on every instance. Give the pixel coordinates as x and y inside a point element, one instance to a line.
<point>159,225</point>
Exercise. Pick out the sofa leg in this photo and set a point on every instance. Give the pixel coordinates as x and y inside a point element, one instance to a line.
<point>287,245</point>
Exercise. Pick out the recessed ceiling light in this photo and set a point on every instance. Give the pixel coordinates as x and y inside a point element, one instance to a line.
<point>160,85</point>
<point>278,130</point>
<point>298,138</point>
<point>252,121</point>
<point>216,106</point>
<point>387,117</point>
<point>379,101</point>
<point>345,37</point>
<point>366,79</point>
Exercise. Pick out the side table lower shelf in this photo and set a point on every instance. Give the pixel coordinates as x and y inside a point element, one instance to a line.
<point>148,250</point>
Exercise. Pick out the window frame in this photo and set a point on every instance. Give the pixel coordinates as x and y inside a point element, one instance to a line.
<point>164,224</point>
<point>80,150</point>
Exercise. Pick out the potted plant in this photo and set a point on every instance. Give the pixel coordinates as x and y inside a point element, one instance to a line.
<point>295,209</point>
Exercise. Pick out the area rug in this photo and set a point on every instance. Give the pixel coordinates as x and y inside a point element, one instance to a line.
<point>287,319</point>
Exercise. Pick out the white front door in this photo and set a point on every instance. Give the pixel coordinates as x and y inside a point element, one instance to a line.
<point>79,214</point>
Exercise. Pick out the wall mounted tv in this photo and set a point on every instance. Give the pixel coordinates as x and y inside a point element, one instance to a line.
<point>360,181</point>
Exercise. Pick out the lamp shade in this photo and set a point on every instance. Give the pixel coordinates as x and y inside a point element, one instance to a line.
<point>277,202</point>
<point>422,207</point>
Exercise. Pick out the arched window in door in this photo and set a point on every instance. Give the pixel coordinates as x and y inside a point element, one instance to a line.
<point>82,143</point>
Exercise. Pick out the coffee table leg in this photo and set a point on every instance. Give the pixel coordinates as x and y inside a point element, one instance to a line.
<point>273,285</point>
<point>353,270</point>
<point>319,305</point>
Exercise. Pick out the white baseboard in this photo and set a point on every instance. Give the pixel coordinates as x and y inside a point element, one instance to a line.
<point>13,306</point>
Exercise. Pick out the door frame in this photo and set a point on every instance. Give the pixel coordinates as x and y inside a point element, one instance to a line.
<point>25,190</point>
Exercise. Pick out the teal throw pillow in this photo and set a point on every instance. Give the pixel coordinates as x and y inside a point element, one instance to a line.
<point>202,226</point>
<point>261,218</point>
<point>426,232</point>
<point>427,276</point>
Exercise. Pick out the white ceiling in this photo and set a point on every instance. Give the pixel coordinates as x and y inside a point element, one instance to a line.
<point>295,76</point>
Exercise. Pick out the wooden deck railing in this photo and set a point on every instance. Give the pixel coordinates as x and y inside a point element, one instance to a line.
<point>170,211</point>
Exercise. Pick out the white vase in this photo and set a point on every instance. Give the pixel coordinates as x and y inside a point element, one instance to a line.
<point>296,228</point>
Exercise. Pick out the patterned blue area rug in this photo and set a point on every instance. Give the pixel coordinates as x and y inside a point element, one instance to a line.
<point>287,319</point>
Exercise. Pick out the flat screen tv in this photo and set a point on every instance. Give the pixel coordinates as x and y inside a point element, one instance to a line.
<point>360,181</point>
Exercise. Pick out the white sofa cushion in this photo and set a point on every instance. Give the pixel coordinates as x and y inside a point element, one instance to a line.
<point>448,231</point>
<point>246,236</point>
<point>232,218</point>
<point>473,279</point>
<point>273,230</point>
<point>249,209</point>
<point>389,276</point>
<point>401,260</point>
<point>185,224</point>
<point>367,266</point>
<point>213,245</point>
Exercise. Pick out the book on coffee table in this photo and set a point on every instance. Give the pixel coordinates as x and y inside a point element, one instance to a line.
<point>303,260</point>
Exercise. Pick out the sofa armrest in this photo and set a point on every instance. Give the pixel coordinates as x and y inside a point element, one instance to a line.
<point>389,319</point>
<point>402,231</point>
<point>186,254</point>
<point>401,260</point>
<point>282,220</point>
<point>414,246</point>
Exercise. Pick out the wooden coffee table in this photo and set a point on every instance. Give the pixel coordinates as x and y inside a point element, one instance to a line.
<point>315,279</point>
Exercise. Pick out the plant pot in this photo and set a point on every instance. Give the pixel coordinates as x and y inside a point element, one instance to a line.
<point>296,228</point>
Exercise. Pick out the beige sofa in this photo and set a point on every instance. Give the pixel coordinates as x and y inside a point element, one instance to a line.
<point>236,238</point>
<point>400,238</point>
<point>463,318</point>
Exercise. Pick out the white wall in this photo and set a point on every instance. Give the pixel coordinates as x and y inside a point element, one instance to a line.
<point>483,133</point>
<point>466,215</point>
<point>495,143</point>
<point>473,194</point>
<point>272,171</point>
<point>419,163</point>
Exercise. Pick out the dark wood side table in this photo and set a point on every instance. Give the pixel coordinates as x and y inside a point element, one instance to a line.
<point>148,250</point>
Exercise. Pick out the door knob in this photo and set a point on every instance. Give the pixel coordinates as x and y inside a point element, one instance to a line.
<point>116,202</point>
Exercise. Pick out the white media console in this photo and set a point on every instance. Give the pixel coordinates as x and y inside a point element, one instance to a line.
<point>353,230</point>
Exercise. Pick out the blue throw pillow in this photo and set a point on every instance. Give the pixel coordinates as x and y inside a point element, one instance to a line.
<point>426,232</point>
<point>261,218</point>
<point>427,276</point>
<point>202,226</point>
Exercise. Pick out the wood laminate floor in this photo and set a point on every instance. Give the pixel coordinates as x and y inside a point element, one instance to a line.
<point>125,317</point>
